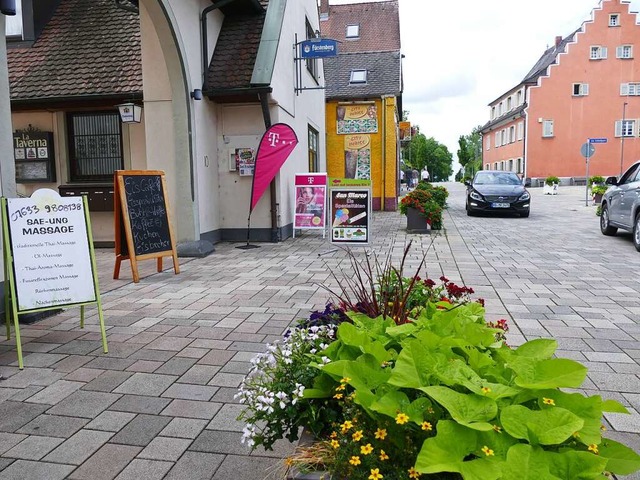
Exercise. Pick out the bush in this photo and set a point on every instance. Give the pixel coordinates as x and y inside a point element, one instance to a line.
<point>439,194</point>
<point>598,189</point>
<point>552,181</point>
<point>596,179</point>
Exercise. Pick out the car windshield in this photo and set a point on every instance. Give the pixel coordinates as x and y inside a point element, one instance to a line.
<point>491,178</point>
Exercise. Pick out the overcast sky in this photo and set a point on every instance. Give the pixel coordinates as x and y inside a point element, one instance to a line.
<point>460,55</point>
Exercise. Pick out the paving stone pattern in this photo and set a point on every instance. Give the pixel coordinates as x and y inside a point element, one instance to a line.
<point>160,404</point>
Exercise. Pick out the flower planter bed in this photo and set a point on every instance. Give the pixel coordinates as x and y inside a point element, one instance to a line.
<point>416,223</point>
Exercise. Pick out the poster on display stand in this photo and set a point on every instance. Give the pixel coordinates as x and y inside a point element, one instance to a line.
<point>350,214</point>
<point>310,192</point>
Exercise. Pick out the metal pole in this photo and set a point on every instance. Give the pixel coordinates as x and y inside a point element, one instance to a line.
<point>624,111</point>
<point>586,188</point>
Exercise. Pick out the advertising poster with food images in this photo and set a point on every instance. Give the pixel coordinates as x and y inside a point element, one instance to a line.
<point>350,215</point>
<point>310,200</point>
<point>359,118</point>
<point>357,157</point>
<point>245,161</point>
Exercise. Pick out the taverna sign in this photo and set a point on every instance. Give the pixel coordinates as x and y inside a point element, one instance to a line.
<point>319,48</point>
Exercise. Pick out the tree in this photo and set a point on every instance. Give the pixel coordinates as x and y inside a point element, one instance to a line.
<point>470,152</point>
<point>422,152</point>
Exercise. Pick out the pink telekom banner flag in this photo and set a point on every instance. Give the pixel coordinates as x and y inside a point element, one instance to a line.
<point>275,147</point>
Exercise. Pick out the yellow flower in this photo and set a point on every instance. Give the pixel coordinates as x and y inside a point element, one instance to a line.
<point>381,433</point>
<point>427,426</point>
<point>288,461</point>
<point>383,455</point>
<point>345,380</point>
<point>603,428</point>
<point>338,396</point>
<point>413,473</point>
<point>340,387</point>
<point>593,448</point>
<point>346,426</point>
<point>375,474</point>
<point>497,428</point>
<point>487,451</point>
<point>366,449</point>
<point>335,443</point>
<point>485,390</point>
<point>357,435</point>
<point>576,434</point>
<point>548,401</point>
<point>402,418</point>
<point>355,460</point>
<point>333,435</point>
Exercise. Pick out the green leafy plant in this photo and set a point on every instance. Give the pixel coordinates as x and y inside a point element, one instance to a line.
<point>596,180</point>
<point>599,210</point>
<point>438,193</point>
<point>425,202</point>
<point>598,189</point>
<point>552,181</point>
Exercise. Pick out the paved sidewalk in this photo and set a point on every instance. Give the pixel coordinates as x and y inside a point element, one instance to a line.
<point>160,404</point>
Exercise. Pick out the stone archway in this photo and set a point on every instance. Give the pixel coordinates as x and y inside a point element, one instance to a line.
<point>167,110</point>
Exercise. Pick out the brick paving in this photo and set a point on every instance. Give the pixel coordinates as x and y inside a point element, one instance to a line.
<point>160,404</point>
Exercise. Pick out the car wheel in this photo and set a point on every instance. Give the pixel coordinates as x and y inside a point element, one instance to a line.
<point>524,214</point>
<point>636,232</point>
<point>605,226</point>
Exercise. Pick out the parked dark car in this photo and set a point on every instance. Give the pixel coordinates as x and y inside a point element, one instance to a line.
<point>621,204</point>
<point>497,191</point>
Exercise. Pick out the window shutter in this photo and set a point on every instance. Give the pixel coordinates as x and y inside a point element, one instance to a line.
<point>618,128</point>
<point>619,52</point>
<point>603,52</point>
<point>585,89</point>
<point>624,89</point>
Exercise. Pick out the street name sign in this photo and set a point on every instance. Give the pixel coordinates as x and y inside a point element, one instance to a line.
<point>597,140</point>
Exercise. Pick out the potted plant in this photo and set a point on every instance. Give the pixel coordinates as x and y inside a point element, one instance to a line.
<point>551,185</point>
<point>423,208</point>
<point>597,191</point>
<point>406,380</point>
<point>596,180</point>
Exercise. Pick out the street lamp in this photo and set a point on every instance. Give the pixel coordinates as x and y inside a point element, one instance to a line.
<point>624,111</point>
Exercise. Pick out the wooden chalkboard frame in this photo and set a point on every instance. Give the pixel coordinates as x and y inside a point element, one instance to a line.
<point>124,242</point>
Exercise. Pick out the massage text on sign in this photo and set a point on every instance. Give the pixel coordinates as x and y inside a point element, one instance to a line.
<point>51,254</point>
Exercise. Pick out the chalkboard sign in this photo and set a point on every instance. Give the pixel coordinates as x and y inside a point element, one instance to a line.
<point>143,227</point>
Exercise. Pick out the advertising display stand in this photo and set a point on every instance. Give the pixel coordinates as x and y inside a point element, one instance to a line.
<point>350,215</point>
<point>49,258</point>
<point>310,192</point>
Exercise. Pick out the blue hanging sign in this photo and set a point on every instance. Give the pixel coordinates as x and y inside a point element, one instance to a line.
<point>319,48</point>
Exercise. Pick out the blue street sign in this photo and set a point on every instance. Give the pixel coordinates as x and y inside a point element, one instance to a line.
<point>319,48</point>
<point>597,140</point>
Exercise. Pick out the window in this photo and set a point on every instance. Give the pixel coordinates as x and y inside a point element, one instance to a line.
<point>510,166</point>
<point>353,31</point>
<point>95,145</point>
<point>519,97</point>
<point>520,130</point>
<point>495,166</point>
<point>13,27</point>
<point>547,128</point>
<point>487,166</point>
<point>498,144</point>
<point>312,63</point>
<point>598,52</point>
<point>503,139</point>
<point>313,149</point>
<point>624,51</point>
<point>508,104</point>
<point>493,113</point>
<point>519,166</point>
<point>580,89</point>
<point>512,134</point>
<point>502,165</point>
<point>500,108</point>
<point>626,128</point>
<point>614,20</point>
<point>488,143</point>
<point>631,89</point>
<point>358,76</point>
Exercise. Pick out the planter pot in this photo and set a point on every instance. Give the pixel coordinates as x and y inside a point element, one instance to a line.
<point>597,198</point>
<point>550,189</point>
<point>416,223</point>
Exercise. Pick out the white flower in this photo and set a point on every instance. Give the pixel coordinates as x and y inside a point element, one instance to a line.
<point>326,360</point>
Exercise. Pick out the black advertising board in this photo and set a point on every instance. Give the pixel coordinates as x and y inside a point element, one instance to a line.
<point>350,216</point>
<point>34,156</point>
<point>142,221</point>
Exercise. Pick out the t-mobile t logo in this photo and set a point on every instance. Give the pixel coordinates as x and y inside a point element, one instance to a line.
<point>273,138</point>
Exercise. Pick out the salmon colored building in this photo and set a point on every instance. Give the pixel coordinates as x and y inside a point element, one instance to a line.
<point>583,87</point>
<point>364,95</point>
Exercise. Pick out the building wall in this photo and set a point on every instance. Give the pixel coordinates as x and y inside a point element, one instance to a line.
<point>577,118</point>
<point>383,146</point>
<point>504,157</point>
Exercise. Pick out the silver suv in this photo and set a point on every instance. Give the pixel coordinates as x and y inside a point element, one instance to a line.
<point>621,204</point>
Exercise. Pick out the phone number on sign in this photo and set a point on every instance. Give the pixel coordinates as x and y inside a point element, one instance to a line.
<point>52,208</point>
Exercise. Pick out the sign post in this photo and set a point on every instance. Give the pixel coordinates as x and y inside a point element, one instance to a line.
<point>587,150</point>
<point>49,258</point>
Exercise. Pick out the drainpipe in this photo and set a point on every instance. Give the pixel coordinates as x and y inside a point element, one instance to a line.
<point>384,152</point>
<point>205,43</point>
